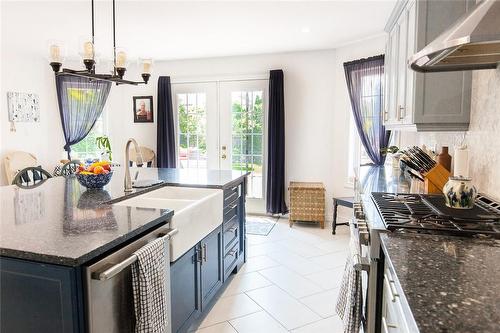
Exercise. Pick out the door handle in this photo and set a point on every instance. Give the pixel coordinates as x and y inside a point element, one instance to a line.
<point>223,156</point>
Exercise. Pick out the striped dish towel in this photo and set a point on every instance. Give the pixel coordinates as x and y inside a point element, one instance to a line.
<point>350,299</point>
<point>149,285</point>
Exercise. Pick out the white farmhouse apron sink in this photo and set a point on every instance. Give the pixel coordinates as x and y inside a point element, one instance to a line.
<point>197,212</point>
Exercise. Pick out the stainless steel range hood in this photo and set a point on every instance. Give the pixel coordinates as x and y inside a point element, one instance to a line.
<point>473,42</point>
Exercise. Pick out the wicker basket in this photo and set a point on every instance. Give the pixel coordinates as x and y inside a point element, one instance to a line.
<point>307,202</point>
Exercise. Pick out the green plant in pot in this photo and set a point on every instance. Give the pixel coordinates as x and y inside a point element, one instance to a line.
<point>104,144</point>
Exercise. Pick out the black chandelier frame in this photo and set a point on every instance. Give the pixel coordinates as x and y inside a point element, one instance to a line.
<point>89,72</point>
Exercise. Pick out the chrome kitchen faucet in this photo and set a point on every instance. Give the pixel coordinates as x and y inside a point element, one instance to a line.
<point>128,181</point>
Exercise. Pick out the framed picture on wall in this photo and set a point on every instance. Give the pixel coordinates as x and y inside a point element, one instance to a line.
<point>143,109</point>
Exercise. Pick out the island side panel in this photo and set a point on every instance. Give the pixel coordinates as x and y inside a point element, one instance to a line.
<point>40,298</point>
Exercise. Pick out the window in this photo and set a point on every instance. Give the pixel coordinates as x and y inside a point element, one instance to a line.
<point>370,99</point>
<point>247,137</point>
<point>192,137</point>
<point>87,148</point>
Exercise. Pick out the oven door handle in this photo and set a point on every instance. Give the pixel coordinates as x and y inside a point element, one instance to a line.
<point>115,269</point>
<point>359,262</point>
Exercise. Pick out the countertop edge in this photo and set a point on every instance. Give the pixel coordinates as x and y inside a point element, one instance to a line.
<point>75,262</point>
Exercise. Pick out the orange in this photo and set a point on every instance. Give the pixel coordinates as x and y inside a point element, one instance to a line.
<point>98,170</point>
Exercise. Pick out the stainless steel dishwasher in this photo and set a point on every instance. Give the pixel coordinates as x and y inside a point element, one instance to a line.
<point>109,298</point>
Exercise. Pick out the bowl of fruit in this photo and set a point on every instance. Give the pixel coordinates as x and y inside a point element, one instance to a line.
<point>96,175</point>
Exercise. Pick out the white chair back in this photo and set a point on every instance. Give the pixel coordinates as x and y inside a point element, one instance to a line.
<point>148,156</point>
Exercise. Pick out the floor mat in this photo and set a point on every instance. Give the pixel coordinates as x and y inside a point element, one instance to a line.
<point>260,225</point>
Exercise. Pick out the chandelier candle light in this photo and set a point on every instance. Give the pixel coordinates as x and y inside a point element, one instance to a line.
<point>120,60</point>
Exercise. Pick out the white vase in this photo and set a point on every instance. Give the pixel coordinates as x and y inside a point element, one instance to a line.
<point>459,192</point>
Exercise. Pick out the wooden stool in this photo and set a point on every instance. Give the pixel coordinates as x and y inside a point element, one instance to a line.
<point>344,201</point>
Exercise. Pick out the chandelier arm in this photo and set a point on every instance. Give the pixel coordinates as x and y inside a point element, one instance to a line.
<point>101,77</point>
<point>114,39</point>
<point>93,24</point>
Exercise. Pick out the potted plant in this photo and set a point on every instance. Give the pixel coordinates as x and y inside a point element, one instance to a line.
<point>103,143</point>
<point>393,151</point>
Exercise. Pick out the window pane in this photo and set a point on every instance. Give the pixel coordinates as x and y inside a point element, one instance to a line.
<point>87,148</point>
<point>257,144</point>
<point>248,126</point>
<point>192,130</point>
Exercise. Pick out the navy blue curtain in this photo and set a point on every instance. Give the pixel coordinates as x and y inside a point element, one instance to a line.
<point>165,144</point>
<point>81,102</point>
<point>275,196</point>
<point>365,85</point>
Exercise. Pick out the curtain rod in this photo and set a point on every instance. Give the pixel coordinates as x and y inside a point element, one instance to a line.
<point>377,57</point>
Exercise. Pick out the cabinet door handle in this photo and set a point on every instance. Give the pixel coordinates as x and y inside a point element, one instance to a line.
<point>232,253</point>
<point>233,206</point>
<point>204,252</point>
<point>197,254</point>
<point>390,284</point>
<point>387,326</point>
<point>400,112</point>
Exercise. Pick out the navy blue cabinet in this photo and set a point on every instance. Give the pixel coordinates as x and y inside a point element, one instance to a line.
<point>234,229</point>
<point>195,278</point>
<point>211,265</point>
<point>184,285</point>
<point>199,274</point>
<point>39,297</point>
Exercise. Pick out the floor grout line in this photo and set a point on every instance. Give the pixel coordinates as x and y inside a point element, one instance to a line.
<point>282,324</point>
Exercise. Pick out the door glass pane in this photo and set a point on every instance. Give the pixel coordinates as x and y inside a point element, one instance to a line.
<point>247,137</point>
<point>192,124</point>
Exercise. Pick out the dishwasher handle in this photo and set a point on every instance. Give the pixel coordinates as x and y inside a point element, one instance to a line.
<point>115,269</point>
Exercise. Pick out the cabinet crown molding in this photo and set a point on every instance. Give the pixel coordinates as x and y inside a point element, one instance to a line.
<point>395,14</point>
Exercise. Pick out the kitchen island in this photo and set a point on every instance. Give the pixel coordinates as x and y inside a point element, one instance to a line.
<point>50,233</point>
<point>440,283</point>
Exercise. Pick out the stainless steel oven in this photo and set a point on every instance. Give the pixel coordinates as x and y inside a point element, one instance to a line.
<point>369,262</point>
<point>108,287</point>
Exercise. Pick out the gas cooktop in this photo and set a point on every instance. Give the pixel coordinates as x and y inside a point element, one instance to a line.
<point>428,214</point>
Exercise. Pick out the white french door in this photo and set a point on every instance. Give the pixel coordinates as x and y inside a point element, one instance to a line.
<point>243,110</point>
<point>222,125</point>
<point>195,113</point>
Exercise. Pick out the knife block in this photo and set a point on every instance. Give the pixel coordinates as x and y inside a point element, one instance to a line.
<point>436,178</point>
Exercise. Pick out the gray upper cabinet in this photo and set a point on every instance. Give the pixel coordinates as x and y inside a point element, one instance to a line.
<point>431,101</point>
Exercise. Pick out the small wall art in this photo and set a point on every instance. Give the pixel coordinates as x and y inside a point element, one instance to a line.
<point>23,107</point>
<point>143,109</point>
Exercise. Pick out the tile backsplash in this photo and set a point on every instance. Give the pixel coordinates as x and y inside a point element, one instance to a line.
<point>483,137</point>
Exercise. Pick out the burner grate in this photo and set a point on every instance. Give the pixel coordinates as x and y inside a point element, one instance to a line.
<point>418,213</point>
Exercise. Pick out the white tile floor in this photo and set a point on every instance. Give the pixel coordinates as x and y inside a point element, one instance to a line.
<point>289,283</point>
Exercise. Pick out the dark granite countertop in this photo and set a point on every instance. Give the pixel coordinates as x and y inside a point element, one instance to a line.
<point>451,284</point>
<point>61,222</point>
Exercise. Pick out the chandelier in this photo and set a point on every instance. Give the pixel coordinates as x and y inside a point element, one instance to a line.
<point>89,55</point>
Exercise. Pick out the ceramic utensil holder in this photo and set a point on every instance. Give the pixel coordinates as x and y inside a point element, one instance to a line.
<point>436,178</point>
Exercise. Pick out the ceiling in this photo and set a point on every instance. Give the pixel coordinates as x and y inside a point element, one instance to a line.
<point>184,29</point>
